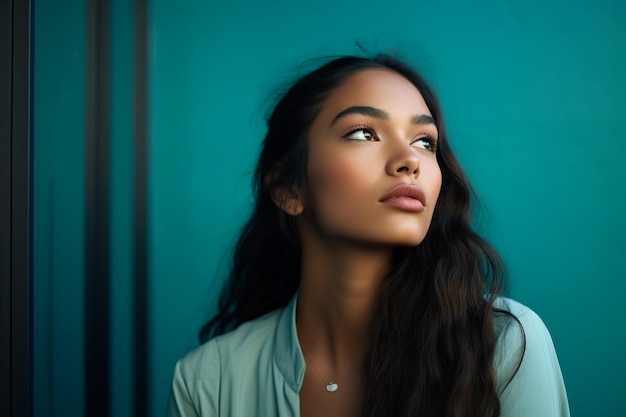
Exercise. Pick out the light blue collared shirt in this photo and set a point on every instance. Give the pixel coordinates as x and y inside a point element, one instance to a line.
<point>258,369</point>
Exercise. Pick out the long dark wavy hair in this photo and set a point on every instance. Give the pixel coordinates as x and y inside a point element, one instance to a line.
<point>434,337</point>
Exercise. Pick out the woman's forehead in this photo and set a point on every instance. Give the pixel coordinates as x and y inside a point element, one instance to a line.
<point>381,89</point>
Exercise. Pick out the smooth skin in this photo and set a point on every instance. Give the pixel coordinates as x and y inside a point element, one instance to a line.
<point>374,133</point>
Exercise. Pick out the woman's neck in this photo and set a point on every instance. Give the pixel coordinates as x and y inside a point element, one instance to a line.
<point>336,304</point>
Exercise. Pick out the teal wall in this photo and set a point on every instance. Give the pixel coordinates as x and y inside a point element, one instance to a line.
<point>58,117</point>
<point>59,210</point>
<point>535,100</point>
<point>122,208</point>
<point>534,95</point>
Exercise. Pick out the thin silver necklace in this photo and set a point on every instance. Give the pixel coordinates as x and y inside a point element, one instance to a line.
<point>330,385</point>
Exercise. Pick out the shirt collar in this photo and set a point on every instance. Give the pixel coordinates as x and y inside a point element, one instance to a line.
<point>287,353</point>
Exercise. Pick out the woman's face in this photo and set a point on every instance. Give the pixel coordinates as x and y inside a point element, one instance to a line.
<point>372,175</point>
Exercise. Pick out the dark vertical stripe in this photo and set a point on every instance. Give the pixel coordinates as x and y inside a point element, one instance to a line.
<point>141,279</point>
<point>6,87</point>
<point>97,322</point>
<point>21,316</point>
<point>15,220</point>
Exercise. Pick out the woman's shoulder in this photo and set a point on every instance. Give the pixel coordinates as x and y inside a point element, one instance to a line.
<point>515,322</point>
<point>528,374</point>
<point>515,308</point>
<point>233,356</point>
<point>518,330</point>
<point>241,342</point>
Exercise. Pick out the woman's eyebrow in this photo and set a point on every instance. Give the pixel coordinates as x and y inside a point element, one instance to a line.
<point>423,119</point>
<point>418,119</point>
<point>364,110</point>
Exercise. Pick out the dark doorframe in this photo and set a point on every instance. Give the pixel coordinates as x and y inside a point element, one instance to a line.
<point>142,408</point>
<point>15,192</point>
<point>97,240</point>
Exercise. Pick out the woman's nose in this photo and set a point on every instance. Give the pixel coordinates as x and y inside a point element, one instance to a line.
<point>403,160</point>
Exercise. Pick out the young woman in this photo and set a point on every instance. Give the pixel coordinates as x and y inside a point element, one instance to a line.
<point>358,287</point>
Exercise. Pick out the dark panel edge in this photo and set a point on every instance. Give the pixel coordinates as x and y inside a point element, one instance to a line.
<point>6,87</point>
<point>21,283</point>
<point>140,218</point>
<point>97,256</point>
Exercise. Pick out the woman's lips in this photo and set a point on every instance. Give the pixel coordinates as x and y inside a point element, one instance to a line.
<point>405,197</point>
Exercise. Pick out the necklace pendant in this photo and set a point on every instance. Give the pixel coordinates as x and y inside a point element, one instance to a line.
<point>332,387</point>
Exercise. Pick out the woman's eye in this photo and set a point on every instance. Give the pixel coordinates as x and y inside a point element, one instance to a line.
<point>361,134</point>
<point>425,142</point>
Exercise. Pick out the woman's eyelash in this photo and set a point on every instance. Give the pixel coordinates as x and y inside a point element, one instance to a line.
<point>362,128</point>
<point>431,140</point>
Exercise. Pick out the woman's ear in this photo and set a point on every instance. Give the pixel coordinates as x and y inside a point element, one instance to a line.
<point>286,198</point>
<point>287,201</point>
